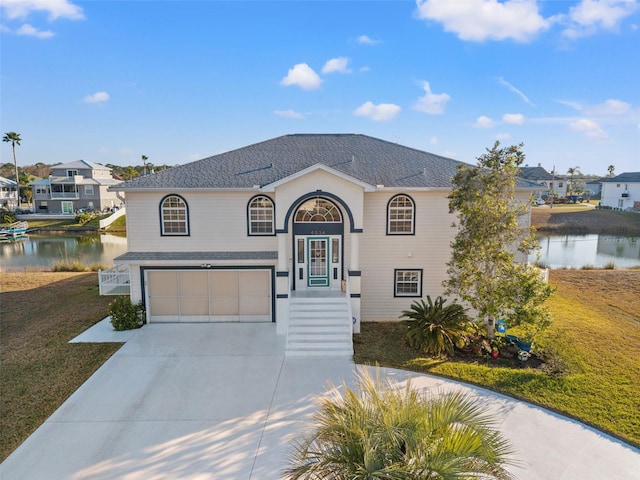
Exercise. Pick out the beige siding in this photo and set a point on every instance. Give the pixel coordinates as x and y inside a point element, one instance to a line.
<point>351,194</point>
<point>380,254</point>
<point>217,222</point>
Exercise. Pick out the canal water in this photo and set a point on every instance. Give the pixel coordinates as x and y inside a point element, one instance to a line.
<point>577,251</point>
<point>556,251</point>
<point>40,251</point>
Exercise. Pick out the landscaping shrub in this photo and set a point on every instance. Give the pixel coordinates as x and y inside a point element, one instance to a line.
<point>126,315</point>
<point>7,217</point>
<point>84,217</point>
<point>434,328</point>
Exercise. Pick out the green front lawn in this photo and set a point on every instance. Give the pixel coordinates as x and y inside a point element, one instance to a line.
<point>594,341</point>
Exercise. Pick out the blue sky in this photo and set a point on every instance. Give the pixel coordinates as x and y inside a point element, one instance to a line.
<point>109,81</point>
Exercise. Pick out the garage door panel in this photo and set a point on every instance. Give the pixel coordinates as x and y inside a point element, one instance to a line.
<point>252,305</point>
<point>224,305</point>
<point>164,306</point>
<point>223,283</point>
<point>254,283</point>
<point>193,284</point>
<point>194,306</point>
<point>163,283</point>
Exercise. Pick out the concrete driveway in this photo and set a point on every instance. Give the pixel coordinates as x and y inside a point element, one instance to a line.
<point>220,401</point>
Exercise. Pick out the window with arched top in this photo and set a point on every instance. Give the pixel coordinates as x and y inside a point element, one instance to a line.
<point>318,210</point>
<point>401,215</point>
<point>260,216</point>
<point>174,216</point>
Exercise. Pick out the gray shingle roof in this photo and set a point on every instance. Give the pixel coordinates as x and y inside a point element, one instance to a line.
<point>197,256</point>
<point>535,173</point>
<point>626,177</point>
<point>367,159</point>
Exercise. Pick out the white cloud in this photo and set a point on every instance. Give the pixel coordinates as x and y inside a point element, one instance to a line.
<point>483,122</point>
<point>339,65</point>
<point>383,112</point>
<point>97,97</point>
<point>434,140</point>
<point>480,20</point>
<point>31,31</point>
<point>516,91</point>
<point>591,16</point>
<point>365,40</point>
<point>303,76</point>
<point>289,114</point>
<point>55,8</point>
<point>588,127</point>
<point>503,136</point>
<point>513,118</point>
<point>364,69</point>
<point>610,107</point>
<point>432,103</point>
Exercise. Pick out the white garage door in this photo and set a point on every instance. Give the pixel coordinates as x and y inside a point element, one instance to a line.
<point>208,296</point>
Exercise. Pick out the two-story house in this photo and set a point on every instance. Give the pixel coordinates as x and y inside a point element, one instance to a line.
<point>8,194</point>
<point>621,191</point>
<point>314,232</point>
<point>74,186</point>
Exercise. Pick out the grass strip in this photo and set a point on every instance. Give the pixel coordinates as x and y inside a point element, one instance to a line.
<point>594,343</point>
<point>41,312</point>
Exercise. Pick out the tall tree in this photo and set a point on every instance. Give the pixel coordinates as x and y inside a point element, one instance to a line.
<point>488,266</point>
<point>144,162</point>
<point>388,431</point>
<point>14,139</point>
<point>572,172</point>
<point>611,169</point>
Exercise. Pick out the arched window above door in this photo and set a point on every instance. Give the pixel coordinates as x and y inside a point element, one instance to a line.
<point>318,210</point>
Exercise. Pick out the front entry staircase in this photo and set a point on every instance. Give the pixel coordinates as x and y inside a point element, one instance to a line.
<point>319,326</point>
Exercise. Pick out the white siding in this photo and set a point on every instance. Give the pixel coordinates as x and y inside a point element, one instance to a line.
<point>612,194</point>
<point>217,222</point>
<point>381,254</point>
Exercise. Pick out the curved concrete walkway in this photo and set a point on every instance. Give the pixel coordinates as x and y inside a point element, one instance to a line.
<point>222,402</point>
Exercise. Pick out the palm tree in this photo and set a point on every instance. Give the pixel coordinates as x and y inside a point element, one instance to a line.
<point>15,139</point>
<point>611,169</point>
<point>434,328</point>
<point>390,432</point>
<point>144,162</point>
<point>572,172</point>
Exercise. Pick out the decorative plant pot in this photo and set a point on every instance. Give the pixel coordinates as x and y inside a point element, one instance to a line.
<point>523,355</point>
<point>495,353</point>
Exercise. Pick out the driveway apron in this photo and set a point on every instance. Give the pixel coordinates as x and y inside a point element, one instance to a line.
<point>221,401</point>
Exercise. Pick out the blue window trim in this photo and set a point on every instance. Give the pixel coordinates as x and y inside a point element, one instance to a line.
<point>273,222</point>
<point>188,223</point>
<point>395,281</point>
<point>413,224</point>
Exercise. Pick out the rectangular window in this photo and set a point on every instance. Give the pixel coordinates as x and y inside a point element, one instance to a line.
<point>67,207</point>
<point>408,283</point>
<point>72,173</point>
<point>335,250</point>
<point>88,189</point>
<point>44,190</point>
<point>559,184</point>
<point>300,250</point>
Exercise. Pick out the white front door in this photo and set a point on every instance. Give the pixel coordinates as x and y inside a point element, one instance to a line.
<point>318,262</point>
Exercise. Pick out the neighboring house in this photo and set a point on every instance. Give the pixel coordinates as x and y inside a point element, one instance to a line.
<point>621,191</point>
<point>313,232</point>
<point>74,186</point>
<point>594,186</point>
<point>8,194</point>
<point>538,175</point>
<point>552,184</point>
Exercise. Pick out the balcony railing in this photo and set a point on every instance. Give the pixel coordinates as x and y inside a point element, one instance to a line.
<point>64,195</point>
